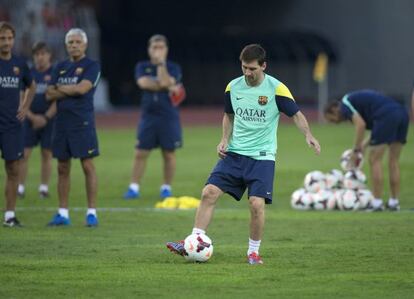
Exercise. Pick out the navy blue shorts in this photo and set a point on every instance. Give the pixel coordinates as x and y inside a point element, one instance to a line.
<point>391,127</point>
<point>75,144</point>
<point>12,144</point>
<point>159,132</point>
<point>235,173</point>
<point>33,137</point>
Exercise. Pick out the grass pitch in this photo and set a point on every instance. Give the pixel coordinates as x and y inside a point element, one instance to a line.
<point>306,254</point>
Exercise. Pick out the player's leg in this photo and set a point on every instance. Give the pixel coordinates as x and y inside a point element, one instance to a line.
<point>91,183</point>
<point>46,172</point>
<point>12,181</point>
<point>205,210</point>
<point>257,220</point>
<point>24,166</point>
<point>169,164</point>
<point>147,140</point>
<point>394,174</point>
<point>170,138</point>
<point>376,154</point>
<point>203,217</point>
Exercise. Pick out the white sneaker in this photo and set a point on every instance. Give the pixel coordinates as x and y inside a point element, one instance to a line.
<point>393,206</point>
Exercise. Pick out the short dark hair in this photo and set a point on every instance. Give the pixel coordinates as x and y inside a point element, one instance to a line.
<point>253,52</point>
<point>330,107</point>
<point>158,38</point>
<point>38,46</point>
<point>7,26</point>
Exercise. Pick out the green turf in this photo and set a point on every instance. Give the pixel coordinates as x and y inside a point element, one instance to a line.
<point>306,254</point>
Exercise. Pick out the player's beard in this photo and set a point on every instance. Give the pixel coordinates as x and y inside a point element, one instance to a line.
<point>251,80</point>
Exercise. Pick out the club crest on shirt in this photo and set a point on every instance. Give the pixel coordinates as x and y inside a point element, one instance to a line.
<point>148,70</point>
<point>262,100</point>
<point>47,78</point>
<point>79,71</point>
<point>16,70</point>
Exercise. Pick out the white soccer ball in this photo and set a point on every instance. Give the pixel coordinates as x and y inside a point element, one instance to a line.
<point>349,201</point>
<point>334,179</point>
<point>199,248</point>
<point>346,162</point>
<point>324,200</point>
<point>365,196</point>
<point>338,193</point>
<point>354,179</point>
<point>301,200</point>
<point>315,181</point>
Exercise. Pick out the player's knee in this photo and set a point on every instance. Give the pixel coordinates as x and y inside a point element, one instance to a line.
<point>141,155</point>
<point>88,166</point>
<point>210,194</point>
<point>63,169</point>
<point>256,206</point>
<point>12,169</point>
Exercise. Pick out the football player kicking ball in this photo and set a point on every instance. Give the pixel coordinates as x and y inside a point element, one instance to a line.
<point>253,103</point>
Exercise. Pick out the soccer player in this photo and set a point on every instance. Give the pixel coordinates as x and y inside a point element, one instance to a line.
<point>160,121</point>
<point>14,77</point>
<point>72,87</point>
<point>253,103</point>
<point>388,122</point>
<point>39,123</point>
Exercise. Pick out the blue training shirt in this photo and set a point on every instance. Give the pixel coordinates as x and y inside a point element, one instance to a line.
<point>76,112</point>
<point>157,103</point>
<point>369,104</point>
<point>14,77</point>
<point>42,79</point>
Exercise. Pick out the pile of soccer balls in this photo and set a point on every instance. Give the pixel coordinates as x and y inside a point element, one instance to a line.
<point>335,190</point>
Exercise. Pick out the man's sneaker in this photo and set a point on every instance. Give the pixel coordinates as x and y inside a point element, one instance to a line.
<point>394,207</point>
<point>59,220</point>
<point>371,207</point>
<point>12,222</point>
<point>43,194</point>
<point>20,195</point>
<point>131,194</point>
<point>91,220</point>
<point>254,259</point>
<point>177,247</point>
<point>165,193</point>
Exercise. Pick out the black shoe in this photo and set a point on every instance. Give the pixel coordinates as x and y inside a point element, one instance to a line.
<point>43,194</point>
<point>20,195</point>
<point>12,222</point>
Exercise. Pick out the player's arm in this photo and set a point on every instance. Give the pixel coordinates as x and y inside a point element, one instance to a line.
<point>303,125</point>
<point>164,78</point>
<point>286,104</point>
<point>74,90</point>
<point>53,94</point>
<point>148,83</point>
<point>360,127</point>
<point>26,101</point>
<point>227,124</point>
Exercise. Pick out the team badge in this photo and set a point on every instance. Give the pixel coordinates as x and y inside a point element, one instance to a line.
<point>148,70</point>
<point>78,71</point>
<point>16,70</point>
<point>262,100</point>
<point>47,78</point>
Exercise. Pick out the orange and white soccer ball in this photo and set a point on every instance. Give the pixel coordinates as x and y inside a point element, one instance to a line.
<point>199,248</point>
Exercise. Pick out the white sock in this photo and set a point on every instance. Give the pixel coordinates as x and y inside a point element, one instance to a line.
<point>43,188</point>
<point>253,246</point>
<point>393,202</point>
<point>165,187</point>
<point>134,187</point>
<point>8,215</point>
<point>64,212</point>
<point>91,211</point>
<point>377,202</point>
<point>20,188</point>
<point>198,231</point>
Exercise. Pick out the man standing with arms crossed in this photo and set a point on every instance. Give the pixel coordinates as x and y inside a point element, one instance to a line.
<point>39,123</point>
<point>247,149</point>
<point>72,87</point>
<point>14,77</point>
<point>160,121</point>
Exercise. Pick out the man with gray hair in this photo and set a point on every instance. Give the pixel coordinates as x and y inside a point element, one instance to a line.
<point>72,86</point>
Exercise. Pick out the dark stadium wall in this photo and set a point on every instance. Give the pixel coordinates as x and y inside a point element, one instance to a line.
<point>369,42</point>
